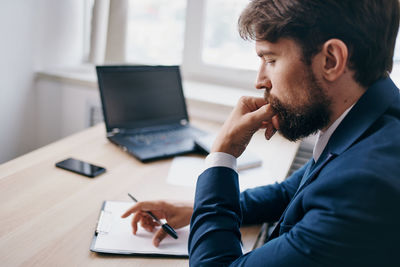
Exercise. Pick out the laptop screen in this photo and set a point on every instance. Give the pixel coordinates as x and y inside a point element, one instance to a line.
<point>141,96</point>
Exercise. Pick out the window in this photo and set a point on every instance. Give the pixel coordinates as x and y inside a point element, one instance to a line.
<point>222,43</point>
<point>199,35</point>
<point>87,28</point>
<point>155,31</point>
<point>214,52</point>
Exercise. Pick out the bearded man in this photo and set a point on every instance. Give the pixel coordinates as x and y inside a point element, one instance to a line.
<point>325,69</point>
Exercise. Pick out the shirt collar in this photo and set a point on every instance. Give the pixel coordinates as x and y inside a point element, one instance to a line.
<point>323,137</point>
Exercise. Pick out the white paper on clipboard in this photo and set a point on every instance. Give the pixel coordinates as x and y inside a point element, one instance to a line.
<point>114,235</point>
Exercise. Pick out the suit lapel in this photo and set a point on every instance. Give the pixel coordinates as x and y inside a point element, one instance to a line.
<point>307,172</point>
<point>372,104</point>
<point>310,175</point>
<point>314,171</point>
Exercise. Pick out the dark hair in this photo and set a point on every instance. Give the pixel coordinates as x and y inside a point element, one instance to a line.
<point>368,28</point>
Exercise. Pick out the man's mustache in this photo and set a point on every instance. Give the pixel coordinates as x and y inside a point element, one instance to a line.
<point>267,96</point>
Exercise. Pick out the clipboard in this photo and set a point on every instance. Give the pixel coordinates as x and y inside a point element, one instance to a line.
<point>113,235</point>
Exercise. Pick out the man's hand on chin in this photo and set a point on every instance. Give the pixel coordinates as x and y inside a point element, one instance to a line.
<point>249,115</point>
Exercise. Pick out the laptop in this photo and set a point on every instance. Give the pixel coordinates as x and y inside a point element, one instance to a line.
<point>145,111</point>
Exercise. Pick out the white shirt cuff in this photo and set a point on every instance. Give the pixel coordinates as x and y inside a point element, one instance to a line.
<point>220,159</point>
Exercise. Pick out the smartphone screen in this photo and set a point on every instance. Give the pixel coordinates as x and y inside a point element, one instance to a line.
<point>80,167</point>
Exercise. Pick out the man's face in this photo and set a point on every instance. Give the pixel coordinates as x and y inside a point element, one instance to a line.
<point>292,89</point>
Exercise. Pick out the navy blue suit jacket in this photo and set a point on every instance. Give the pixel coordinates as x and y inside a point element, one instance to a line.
<point>344,210</point>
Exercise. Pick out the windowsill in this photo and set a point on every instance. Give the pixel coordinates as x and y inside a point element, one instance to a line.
<point>80,75</point>
<point>205,100</point>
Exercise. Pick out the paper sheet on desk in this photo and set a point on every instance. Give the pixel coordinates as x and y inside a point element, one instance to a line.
<point>117,236</point>
<point>185,170</point>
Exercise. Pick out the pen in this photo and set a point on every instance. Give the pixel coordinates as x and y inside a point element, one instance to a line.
<point>165,226</point>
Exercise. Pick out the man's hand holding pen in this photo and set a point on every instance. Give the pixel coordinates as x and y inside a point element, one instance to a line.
<point>177,216</point>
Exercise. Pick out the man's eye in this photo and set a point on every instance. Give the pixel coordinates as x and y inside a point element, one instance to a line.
<point>269,61</point>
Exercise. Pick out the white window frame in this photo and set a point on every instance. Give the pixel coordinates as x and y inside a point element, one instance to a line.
<point>193,65</point>
<point>108,40</point>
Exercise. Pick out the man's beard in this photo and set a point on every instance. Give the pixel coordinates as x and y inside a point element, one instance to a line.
<point>304,119</point>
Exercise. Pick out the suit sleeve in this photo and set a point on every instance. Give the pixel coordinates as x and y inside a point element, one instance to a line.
<point>215,239</point>
<point>336,230</point>
<point>267,203</point>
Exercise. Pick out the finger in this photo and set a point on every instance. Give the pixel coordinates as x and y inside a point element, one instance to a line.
<point>158,237</point>
<point>136,218</point>
<point>148,224</point>
<point>275,122</point>
<point>145,205</point>
<point>263,114</point>
<point>252,103</point>
<point>266,124</point>
<point>259,102</point>
<point>266,134</point>
<point>131,210</point>
<point>269,132</point>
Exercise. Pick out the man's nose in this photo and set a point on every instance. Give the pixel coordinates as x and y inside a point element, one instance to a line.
<point>263,83</point>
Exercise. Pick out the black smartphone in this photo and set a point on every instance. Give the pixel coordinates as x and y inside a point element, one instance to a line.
<point>80,167</point>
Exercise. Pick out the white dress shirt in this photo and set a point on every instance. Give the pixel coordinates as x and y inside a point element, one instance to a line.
<point>221,159</point>
<point>323,137</point>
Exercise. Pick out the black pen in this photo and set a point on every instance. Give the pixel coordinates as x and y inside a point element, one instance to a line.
<point>165,226</point>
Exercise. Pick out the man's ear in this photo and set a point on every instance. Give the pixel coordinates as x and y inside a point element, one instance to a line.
<point>334,59</point>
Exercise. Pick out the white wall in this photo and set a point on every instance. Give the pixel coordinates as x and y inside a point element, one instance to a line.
<point>68,111</point>
<point>16,75</point>
<point>60,33</point>
<point>34,35</point>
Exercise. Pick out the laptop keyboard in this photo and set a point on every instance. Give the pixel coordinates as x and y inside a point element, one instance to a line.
<point>164,137</point>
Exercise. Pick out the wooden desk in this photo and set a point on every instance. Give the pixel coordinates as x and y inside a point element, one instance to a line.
<point>48,215</point>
